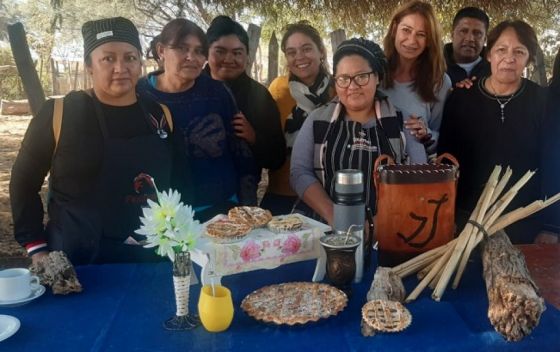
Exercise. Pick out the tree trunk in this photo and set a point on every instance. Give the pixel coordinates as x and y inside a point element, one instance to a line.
<point>54,73</point>
<point>337,37</point>
<point>75,85</point>
<point>26,69</point>
<point>515,304</point>
<point>539,73</point>
<point>254,32</point>
<point>272,58</point>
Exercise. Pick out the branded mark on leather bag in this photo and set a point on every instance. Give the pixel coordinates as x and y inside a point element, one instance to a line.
<point>423,220</point>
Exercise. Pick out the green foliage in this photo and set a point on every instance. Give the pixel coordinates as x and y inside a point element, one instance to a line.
<point>10,84</point>
<point>57,23</point>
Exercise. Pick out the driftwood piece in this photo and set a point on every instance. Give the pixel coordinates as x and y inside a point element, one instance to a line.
<point>515,304</point>
<point>386,286</point>
<point>56,271</point>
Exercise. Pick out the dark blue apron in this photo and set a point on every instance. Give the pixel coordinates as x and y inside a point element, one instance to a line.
<point>93,228</point>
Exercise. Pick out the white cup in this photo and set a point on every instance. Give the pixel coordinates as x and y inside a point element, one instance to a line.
<point>16,284</point>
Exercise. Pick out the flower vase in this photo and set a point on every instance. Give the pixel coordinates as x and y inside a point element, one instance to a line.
<point>181,283</point>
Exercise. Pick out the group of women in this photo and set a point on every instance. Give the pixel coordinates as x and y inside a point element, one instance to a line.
<point>224,128</point>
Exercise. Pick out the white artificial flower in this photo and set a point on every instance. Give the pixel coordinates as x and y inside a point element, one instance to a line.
<point>169,225</point>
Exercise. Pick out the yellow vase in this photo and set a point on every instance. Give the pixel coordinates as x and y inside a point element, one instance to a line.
<point>216,312</point>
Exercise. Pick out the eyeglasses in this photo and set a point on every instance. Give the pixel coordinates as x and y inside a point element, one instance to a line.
<point>361,79</point>
<point>183,50</point>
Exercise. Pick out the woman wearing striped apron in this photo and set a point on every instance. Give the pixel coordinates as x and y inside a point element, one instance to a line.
<point>348,133</point>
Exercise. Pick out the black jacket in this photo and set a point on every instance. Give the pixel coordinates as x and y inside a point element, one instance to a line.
<point>78,161</point>
<point>457,73</point>
<point>258,106</point>
<point>551,159</point>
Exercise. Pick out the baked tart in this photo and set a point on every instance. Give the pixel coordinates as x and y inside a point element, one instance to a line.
<point>294,303</point>
<point>285,223</point>
<point>253,216</point>
<point>227,231</point>
<point>386,316</point>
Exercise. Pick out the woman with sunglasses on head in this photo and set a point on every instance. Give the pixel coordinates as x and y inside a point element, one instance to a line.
<point>307,86</point>
<point>349,132</point>
<point>94,144</point>
<point>221,166</point>
<point>416,82</point>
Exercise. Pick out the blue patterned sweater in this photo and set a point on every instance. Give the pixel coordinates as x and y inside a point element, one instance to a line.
<point>221,165</point>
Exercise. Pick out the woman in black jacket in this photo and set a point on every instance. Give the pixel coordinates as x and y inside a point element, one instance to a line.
<point>258,119</point>
<point>106,138</point>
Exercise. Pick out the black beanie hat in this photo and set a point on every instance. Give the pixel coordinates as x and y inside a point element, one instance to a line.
<point>367,49</point>
<point>116,29</point>
<point>224,25</point>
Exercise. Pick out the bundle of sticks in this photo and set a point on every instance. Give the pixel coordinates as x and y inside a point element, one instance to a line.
<point>436,267</point>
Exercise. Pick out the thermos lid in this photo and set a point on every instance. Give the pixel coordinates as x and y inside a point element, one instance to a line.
<point>349,177</point>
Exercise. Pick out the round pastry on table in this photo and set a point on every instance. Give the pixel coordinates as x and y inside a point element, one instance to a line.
<point>285,223</point>
<point>252,216</point>
<point>227,230</point>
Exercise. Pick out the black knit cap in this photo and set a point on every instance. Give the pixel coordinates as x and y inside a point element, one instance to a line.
<point>367,49</point>
<point>224,25</point>
<point>116,29</point>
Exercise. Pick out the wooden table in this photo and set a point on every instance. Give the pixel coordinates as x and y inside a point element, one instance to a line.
<point>543,261</point>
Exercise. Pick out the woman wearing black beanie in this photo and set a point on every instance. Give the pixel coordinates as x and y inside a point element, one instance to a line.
<point>94,144</point>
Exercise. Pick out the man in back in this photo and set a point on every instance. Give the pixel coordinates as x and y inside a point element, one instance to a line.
<point>465,54</point>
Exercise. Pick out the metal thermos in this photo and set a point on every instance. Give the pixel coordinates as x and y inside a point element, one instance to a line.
<point>349,210</point>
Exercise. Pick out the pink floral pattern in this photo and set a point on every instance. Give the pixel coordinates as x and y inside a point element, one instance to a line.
<point>291,245</point>
<point>250,251</point>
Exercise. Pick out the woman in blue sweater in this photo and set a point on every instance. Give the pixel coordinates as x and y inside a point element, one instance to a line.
<point>221,165</point>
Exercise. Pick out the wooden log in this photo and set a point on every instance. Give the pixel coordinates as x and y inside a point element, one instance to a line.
<point>272,58</point>
<point>515,304</point>
<point>386,286</point>
<point>14,107</point>
<point>26,68</point>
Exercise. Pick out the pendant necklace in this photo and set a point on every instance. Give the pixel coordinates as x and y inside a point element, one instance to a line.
<point>502,103</point>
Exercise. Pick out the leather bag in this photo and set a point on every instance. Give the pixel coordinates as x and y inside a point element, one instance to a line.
<point>415,205</point>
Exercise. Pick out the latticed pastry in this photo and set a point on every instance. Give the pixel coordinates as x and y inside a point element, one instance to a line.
<point>386,316</point>
<point>294,303</point>
<point>285,223</point>
<point>252,216</point>
<point>226,230</point>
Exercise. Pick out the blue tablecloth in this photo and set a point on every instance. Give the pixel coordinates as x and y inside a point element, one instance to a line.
<point>123,306</point>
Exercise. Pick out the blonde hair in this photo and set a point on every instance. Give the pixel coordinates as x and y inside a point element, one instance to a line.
<point>430,65</point>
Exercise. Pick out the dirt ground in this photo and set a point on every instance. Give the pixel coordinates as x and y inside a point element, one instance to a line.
<point>12,129</point>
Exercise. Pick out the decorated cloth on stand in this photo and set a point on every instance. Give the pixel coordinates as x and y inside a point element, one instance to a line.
<point>263,249</point>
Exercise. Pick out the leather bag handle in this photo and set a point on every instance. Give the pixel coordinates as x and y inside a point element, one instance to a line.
<point>447,156</point>
<point>378,162</point>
